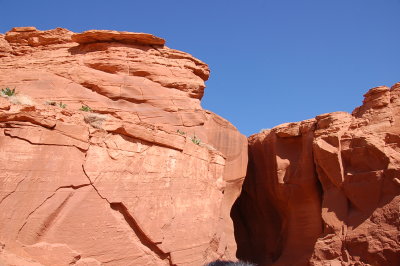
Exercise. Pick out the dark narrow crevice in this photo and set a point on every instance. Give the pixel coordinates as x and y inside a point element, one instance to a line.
<point>240,211</point>
<point>144,239</point>
<point>319,188</point>
<point>74,187</point>
<point>262,213</point>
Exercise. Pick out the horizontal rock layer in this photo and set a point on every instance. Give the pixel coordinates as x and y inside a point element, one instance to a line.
<point>107,157</point>
<point>325,191</point>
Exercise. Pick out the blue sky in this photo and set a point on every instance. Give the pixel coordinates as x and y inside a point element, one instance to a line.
<point>271,61</point>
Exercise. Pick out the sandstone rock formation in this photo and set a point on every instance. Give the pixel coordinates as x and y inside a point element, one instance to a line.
<point>107,158</point>
<point>325,191</point>
<point>129,183</point>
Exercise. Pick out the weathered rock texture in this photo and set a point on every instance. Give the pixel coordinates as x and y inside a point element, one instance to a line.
<point>325,191</point>
<point>124,184</point>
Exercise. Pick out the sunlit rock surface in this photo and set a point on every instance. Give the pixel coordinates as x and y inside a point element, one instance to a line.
<point>142,176</point>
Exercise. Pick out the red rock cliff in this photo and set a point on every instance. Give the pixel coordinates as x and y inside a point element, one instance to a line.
<point>325,191</point>
<point>146,178</point>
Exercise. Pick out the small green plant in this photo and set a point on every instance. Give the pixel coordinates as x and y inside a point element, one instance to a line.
<point>181,132</point>
<point>196,140</point>
<point>8,92</point>
<point>86,108</point>
<point>62,105</point>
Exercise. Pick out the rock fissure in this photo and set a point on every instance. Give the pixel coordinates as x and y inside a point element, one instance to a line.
<point>144,239</point>
<point>11,192</point>
<point>47,199</point>
<point>91,183</point>
<point>42,144</point>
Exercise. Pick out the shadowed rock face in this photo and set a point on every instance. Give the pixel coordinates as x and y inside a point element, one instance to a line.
<point>325,191</point>
<point>124,184</point>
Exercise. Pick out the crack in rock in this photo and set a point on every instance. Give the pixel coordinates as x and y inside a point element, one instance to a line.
<point>12,192</point>
<point>144,239</point>
<point>48,198</point>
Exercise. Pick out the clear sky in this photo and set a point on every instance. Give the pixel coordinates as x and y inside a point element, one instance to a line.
<point>271,61</point>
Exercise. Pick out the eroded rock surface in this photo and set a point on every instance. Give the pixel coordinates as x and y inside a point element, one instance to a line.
<point>325,191</point>
<point>126,184</point>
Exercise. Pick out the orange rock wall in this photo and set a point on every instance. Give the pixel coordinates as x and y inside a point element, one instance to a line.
<point>325,191</point>
<point>124,184</point>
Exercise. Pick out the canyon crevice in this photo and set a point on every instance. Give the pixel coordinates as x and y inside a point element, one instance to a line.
<point>325,191</point>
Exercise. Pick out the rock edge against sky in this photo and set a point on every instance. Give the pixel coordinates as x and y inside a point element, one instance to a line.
<point>142,175</point>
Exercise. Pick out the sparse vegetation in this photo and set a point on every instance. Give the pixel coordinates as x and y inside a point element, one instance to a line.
<point>16,98</point>
<point>8,92</point>
<point>60,104</point>
<point>196,140</point>
<point>181,132</point>
<point>85,108</point>
<point>95,120</point>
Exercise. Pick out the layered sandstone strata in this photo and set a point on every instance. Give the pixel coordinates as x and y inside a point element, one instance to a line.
<point>147,177</point>
<point>325,191</point>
